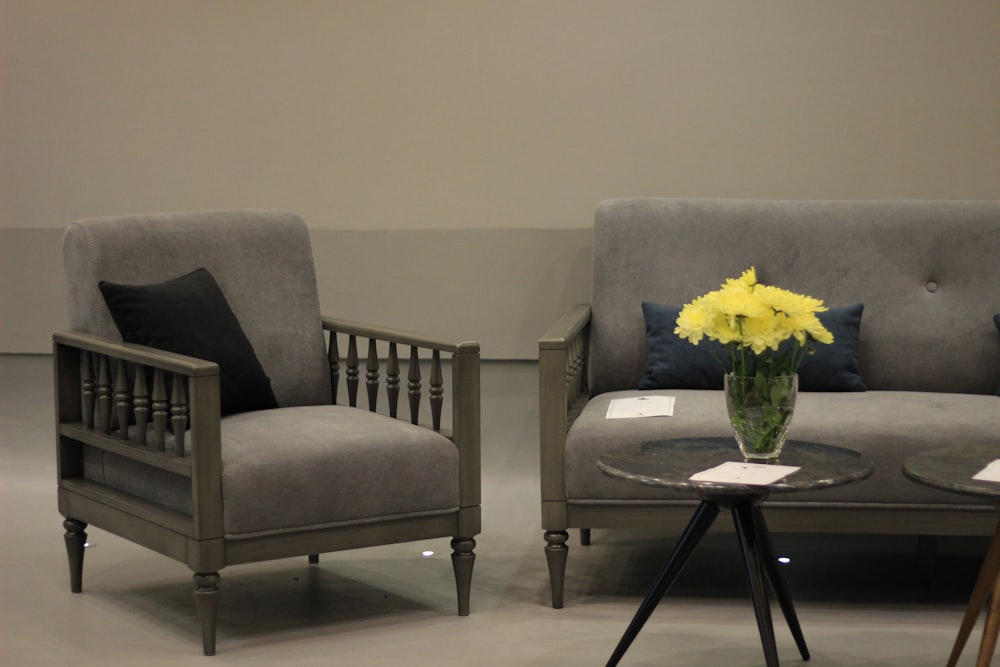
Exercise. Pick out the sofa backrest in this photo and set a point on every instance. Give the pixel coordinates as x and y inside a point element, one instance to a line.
<point>927,272</point>
<point>262,261</point>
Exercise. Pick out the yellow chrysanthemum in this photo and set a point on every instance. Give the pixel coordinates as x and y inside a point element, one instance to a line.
<point>783,301</point>
<point>694,320</point>
<point>746,314</point>
<point>747,280</point>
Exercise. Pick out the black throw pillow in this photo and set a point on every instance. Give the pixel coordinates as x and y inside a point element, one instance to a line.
<point>674,363</point>
<point>190,315</point>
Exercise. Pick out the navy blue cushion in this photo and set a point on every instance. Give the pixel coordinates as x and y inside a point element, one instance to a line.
<point>834,367</point>
<point>674,363</point>
<point>190,315</point>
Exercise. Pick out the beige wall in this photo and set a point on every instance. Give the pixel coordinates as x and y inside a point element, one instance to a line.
<point>395,121</point>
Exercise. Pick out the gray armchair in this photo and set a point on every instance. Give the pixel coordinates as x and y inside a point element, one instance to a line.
<point>263,454</point>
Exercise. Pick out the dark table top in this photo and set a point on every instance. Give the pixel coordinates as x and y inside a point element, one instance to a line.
<point>952,468</point>
<point>669,463</point>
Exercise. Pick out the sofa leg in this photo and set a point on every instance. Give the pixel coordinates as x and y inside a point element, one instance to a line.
<point>313,559</point>
<point>206,599</point>
<point>462,559</point>
<point>555,555</point>
<point>585,537</point>
<point>76,539</point>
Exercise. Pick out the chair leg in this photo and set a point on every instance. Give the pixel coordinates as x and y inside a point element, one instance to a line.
<point>206,599</point>
<point>462,560</point>
<point>555,555</point>
<point>76,538</point>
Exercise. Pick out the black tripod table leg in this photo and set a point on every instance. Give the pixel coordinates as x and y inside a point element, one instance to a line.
<point>771,571</point>
<point>747,534</point>
<point>696,529</point>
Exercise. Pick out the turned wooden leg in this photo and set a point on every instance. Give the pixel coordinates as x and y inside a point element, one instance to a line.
<point>206,599</point>
<point>462,560</point>
<point>555,555</point>
<point>76,538</point>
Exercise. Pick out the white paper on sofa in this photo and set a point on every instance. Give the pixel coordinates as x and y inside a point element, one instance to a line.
<point>641,406</point>
<point>990,473</point>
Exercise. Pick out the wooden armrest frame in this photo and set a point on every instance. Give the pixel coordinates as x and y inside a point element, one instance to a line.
<point>199,408</point>
<point>562,392</point>
<point>465,387</point>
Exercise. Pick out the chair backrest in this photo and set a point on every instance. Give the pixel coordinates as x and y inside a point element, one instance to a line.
<point>262,261</point>
<point>927,272</point>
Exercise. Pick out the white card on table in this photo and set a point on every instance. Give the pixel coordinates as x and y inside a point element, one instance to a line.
<point>990,473</point>
<point>641,406</point>
<point>739,472</point>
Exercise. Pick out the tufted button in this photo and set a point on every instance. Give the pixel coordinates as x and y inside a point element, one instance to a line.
<point>932,286</point>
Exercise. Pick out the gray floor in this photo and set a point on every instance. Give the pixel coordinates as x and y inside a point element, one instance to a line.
<point>860,600</point>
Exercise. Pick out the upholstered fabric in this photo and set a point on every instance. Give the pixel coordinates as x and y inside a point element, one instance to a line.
<point>309,466</point>
<point>152,484</point>
<point>262,261</point>
<point>925,271</point>
<point>856,420</point>
<point>189,315</point>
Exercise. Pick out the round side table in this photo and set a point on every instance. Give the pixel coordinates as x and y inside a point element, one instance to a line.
<point>951,469</point>
<point>670,463</point>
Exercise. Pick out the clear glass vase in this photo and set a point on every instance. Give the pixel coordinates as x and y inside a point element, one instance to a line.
<point>760,411</point>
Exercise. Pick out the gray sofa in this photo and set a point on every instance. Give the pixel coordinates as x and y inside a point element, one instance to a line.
<point>928,352</point>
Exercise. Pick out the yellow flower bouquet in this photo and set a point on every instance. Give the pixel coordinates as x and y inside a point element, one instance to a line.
<point>766,333</point>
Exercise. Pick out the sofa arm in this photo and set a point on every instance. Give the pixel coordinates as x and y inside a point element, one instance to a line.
<point>383,343</point>
<point>108,392</point>
<point>562,392</point>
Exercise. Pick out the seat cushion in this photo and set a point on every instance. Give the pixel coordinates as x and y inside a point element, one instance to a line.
<point>326,465</point>
<point>293,468</point>
<point>888,426</point>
